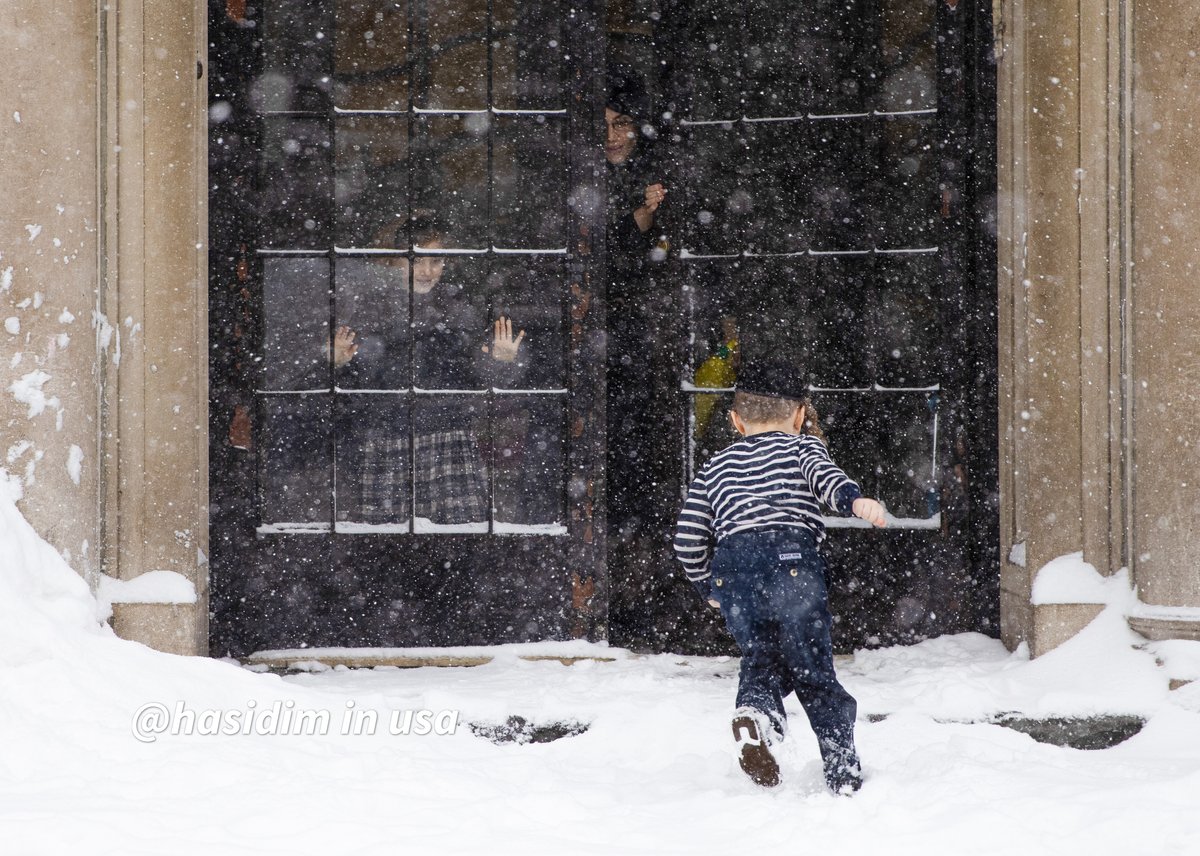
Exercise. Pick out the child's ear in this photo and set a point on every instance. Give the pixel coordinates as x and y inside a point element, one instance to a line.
<point>737,423</point>
<point>801,415</point>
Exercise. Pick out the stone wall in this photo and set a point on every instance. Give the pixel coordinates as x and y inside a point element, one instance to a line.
<point>55,344</point>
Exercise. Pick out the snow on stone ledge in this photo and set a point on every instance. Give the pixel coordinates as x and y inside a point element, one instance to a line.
<point>150,587</point>
<point>1069,579</point>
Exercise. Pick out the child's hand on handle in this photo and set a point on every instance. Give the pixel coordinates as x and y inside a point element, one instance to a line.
<point>870,511</point>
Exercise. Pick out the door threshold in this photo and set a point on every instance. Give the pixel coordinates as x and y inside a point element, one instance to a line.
<point>319,659</point>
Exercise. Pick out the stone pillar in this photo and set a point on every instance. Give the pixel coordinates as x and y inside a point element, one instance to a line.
<point>1165,320</point>
<point>153,129</point>
<point>50,357</point>
<point>1060,289</point>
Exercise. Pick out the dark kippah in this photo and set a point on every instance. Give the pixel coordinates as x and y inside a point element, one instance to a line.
<point>773,378</point>
<point>627,93</point>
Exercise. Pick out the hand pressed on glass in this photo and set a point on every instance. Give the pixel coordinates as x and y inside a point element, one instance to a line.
<point>344,346</point>
<point>504,346</point>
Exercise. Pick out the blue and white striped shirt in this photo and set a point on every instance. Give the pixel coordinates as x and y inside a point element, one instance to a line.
<point>765,481</point>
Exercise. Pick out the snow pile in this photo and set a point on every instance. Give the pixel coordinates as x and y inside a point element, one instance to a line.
<point>150,587</point>
<point>653,772</point>
<point>44,605</point>
<point>1069,579</point>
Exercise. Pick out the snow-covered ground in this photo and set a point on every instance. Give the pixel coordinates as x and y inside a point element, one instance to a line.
<point>654,773</point>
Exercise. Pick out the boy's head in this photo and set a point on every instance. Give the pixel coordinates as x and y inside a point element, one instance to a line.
<point>757,409</point>
<point>772,395</point>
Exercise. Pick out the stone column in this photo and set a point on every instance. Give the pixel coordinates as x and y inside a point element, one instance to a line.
<point>1060,282</point>
<point>153,127</point>
<point>1165,320</point>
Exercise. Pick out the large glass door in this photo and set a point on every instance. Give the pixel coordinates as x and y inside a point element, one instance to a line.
<point>402,443</point>
<point>834,173</point>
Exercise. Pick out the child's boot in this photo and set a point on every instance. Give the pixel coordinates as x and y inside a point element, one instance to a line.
<point>843,772</point>
<point>752,733</point>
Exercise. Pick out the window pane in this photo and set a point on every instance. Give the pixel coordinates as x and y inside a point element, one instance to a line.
<point>372,70</point>
<point>527,60</point>
<point>296,57</point>
<point>450,175</point>
<point>295,458</point>
<point>778,56</point>
<point>778,221</point>
<point>529,293</point>
<point>841,172</point>
<point>296,323</point>
<point>711,64</point>
<point>372,301</point>
<point>371,189</point>
<point>529,452</point>
<point>832,325</point>
<point>716,204</point>
<point>451,53</point>
<point>908,56</point>
<point>909,200</point>
<point>909,484</point>
<point>296,204</point>
<point>839,48</point>
<point>903,318</point>
<point>449,464</point>
<point>374,461</point>
<point>529,182</point>
<point>450,324</point>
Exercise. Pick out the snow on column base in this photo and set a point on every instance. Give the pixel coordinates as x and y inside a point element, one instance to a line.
<point>175,628</point>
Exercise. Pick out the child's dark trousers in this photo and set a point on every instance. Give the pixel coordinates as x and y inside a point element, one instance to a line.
<point>771,587</point>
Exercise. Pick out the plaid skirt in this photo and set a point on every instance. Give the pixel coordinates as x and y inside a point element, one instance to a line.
<point>450,479</point>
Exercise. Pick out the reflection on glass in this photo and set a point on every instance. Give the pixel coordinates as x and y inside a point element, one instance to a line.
<point>373,462</point>
<point>529,464</point>
<point>372,68</point>
<point>371,177</point>
<point>450,470</point>
<point>295,200</point>
<point>296,323</point>
<point>295,459</point>
<point>528,182</point>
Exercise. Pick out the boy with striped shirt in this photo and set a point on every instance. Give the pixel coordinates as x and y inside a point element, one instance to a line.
<point>747,538</point>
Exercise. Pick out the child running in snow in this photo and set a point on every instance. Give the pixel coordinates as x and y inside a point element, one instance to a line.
<point>747,538</point>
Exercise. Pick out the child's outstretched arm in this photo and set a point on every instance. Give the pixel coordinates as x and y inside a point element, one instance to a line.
<point>694,538</point>
<point>870,511</point>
